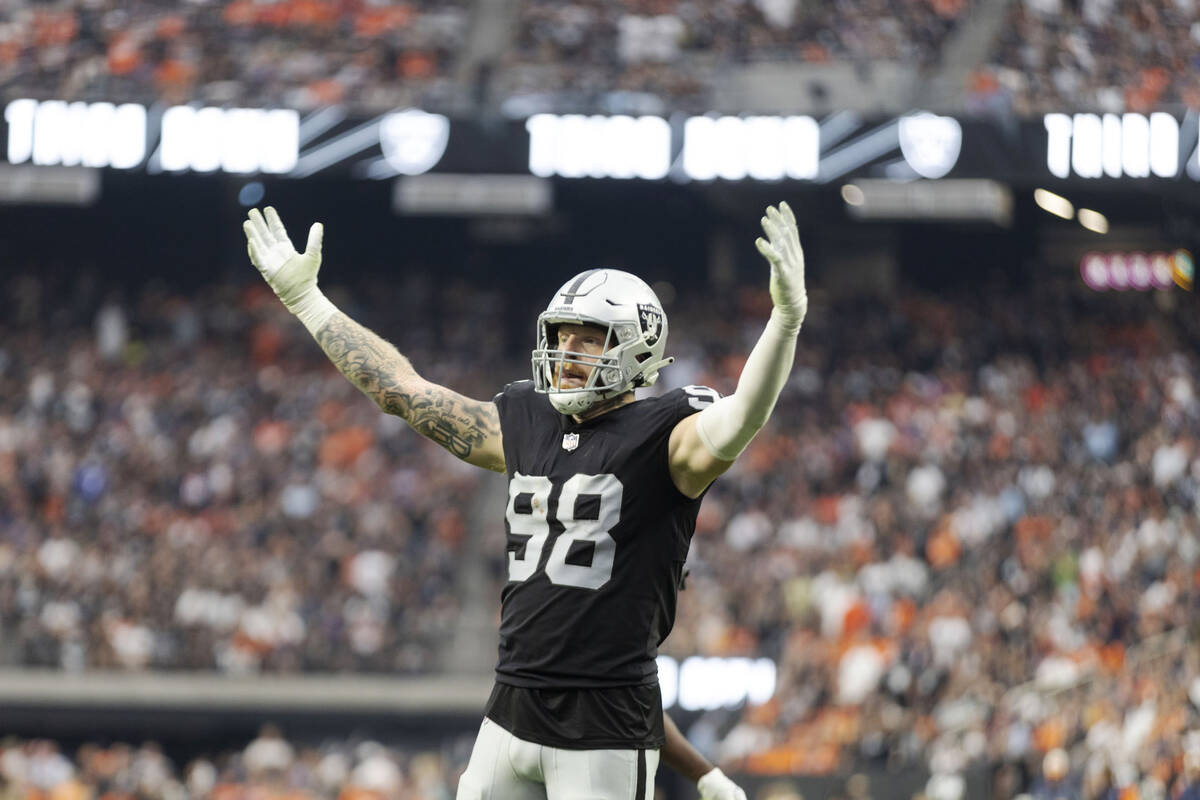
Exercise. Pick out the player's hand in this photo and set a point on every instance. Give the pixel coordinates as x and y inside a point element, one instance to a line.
<point>715,785</point>
<point>292,275</point>
<point>782,251</point>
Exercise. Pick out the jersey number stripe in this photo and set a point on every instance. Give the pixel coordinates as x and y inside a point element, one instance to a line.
<point>700,397</point>
<point>528,507</point>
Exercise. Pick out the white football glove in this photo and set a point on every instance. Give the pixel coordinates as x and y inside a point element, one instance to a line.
<point>782,250</point>
<point>292,275</point>
<point>715,785</point>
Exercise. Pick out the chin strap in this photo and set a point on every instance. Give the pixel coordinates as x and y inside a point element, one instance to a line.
<point>568,402</point>
<point>641,380</point>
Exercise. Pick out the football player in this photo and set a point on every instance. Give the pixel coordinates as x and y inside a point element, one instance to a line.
<point>603,492</point>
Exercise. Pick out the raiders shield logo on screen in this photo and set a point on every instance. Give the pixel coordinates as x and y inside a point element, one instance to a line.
<point>651,320</point>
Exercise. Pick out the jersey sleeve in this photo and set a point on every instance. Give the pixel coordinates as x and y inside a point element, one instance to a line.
<point>688,400</point>
<point>515,405</point>
<point>674,406</point>
<point>505,398</point>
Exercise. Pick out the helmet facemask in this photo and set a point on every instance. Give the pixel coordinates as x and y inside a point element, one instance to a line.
<point>605,378</point>
<point>634,326</point>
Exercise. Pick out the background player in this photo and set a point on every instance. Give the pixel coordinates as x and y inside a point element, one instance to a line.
<point>576,710</point>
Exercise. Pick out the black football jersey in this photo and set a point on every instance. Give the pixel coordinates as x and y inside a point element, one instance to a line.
<point>597,538</point>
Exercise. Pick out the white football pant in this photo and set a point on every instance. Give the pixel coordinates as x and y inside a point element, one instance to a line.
<point>503,767</point>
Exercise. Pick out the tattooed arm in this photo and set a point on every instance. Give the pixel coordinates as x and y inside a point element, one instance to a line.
<point>467,428</point>
<point>470,429</point>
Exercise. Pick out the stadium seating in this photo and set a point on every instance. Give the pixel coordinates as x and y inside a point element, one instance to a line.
<point>270,767</point>
<point>968,537</point>
<point>977,517</point>
<point>308,53</point>
<point>962,510</point>
<point>166,506</point>
<point>293,53</point>
<point>655,56</point>
<point>1095,55</point>
<point>588,56</point>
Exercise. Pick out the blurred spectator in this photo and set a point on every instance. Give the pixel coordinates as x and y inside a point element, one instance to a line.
<point>979,525</point>
<point>634,55</point>
<point>294,53</point>
<point>333,770</point>
<point>268,754</point>
<point>975,520</point>
<point>165,504</point>
<point>1055,783</point>
<point>641,56</point>
<point>1094,55</point>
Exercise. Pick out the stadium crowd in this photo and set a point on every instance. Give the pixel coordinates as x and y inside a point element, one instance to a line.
<point>185,482</point>
<point>1097,55</point>
<point>658,55</point>
<point>977,515</point>
<point>294,53</point>
<point>652,54</point>
<point>649,56</point>
<point>271,767</point>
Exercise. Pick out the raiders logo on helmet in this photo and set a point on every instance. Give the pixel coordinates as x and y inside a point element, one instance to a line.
<point>651,322</point>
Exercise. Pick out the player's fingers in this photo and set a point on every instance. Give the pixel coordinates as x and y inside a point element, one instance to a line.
<point>782,233</point>
<point>260,226</point>
<point>793,234</point>
<point>275,223</point>
<point>788,216</point>
<point>768,252</point>
<point>252,237</point>
<point>785,225</point>
<point>316,234</point>
<point>253,251</point>
<point>779,237</point>
<point>770,229</point>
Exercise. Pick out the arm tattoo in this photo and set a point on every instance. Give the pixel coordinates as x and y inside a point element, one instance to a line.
<point>457,423</point>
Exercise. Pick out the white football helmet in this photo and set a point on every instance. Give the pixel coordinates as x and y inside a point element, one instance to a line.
<point>634,345</point>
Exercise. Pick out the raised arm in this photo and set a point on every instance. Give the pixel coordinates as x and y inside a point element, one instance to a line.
<point>704,445</point>
<point>469,429</point>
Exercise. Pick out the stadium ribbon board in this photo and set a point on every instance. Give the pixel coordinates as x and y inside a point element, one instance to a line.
<point>1089,147</point>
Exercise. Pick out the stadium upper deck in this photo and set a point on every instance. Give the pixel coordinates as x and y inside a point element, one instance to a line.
<point>585,55</point>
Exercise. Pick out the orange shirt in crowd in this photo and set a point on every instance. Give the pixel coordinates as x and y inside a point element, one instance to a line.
<point>124,54</point>
<point>376,21</point>
<point>51,27</point>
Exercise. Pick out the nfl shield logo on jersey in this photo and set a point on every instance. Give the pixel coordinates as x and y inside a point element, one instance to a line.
<point>570,441</point>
